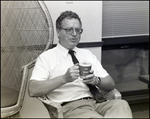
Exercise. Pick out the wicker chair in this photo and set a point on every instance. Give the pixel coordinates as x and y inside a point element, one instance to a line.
<point>11,110</point>
<point>55,109</point>
<point>27,31</point>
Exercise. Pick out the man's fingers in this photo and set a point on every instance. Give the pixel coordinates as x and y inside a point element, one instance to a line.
<point>89,76</point>
<point>91,71</point>
<point>88,81</point>
<point>77,64</point>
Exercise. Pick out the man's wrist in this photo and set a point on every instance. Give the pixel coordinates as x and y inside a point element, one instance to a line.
<point>98,80</point>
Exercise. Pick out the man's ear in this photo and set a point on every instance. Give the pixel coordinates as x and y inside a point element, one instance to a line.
<point>58,31</point>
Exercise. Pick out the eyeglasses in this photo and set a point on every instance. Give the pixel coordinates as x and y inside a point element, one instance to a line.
<point>71,30</point>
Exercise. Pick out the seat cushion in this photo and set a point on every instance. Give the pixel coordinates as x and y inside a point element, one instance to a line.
<point>9,96</point>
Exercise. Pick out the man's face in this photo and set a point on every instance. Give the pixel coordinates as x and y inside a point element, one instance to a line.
<point>69,39</point>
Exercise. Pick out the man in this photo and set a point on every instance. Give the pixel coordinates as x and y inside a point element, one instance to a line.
<point>56,76</point>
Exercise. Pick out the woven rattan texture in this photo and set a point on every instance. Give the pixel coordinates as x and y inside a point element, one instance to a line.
<point>25,32</point>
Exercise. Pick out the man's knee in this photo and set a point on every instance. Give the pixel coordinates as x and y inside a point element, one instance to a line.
<point>121,103</point>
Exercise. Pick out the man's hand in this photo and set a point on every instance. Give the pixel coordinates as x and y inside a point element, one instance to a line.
<point>91,79</point>
<point>72,73</point>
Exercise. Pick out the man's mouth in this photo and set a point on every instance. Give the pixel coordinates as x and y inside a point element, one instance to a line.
<point>74,39</point>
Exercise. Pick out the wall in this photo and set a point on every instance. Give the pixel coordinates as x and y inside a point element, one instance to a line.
<point>90,13</point>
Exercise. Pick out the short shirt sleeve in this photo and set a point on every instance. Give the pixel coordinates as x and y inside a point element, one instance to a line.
<point>41,69</point>
<point>98,68</point>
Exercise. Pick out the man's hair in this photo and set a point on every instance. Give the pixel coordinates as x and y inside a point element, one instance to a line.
<point>68,15</point>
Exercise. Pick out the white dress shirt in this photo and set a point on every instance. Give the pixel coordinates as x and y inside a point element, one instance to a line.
<point>55,62</point>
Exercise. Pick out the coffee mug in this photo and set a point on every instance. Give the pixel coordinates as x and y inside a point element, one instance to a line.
<point>85,68</point>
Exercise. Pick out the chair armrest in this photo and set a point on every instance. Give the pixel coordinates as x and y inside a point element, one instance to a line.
<point>111,95</point>
<point>54,109</point>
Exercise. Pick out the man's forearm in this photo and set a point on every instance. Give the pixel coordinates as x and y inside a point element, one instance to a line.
<point>106,83</point>
<point>40,88</point>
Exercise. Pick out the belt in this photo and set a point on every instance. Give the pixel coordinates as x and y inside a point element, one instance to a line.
<point>85,98</point>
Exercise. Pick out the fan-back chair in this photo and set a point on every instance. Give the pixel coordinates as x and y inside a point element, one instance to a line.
<point>26,31</point>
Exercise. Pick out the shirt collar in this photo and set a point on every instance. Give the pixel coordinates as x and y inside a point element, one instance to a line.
<point>64,50</point>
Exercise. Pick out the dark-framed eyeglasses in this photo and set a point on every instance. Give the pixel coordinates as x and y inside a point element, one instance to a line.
<point>71,30</point>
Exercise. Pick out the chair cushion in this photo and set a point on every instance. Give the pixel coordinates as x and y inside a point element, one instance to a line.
<point>9,96</point>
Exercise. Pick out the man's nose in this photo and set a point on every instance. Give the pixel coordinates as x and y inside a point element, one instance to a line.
<point>74,33</point>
